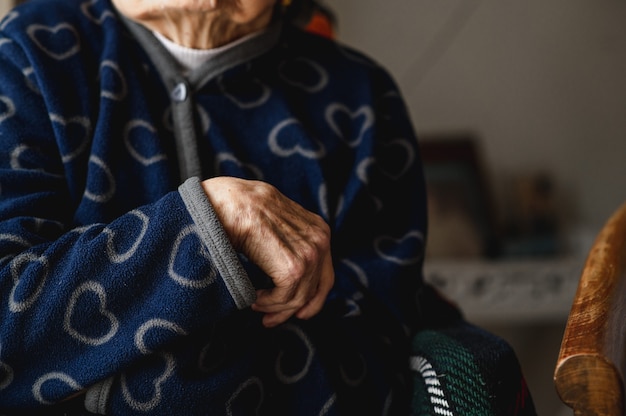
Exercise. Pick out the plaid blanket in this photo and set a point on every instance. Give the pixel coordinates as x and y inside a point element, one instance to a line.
<point>461,369</point>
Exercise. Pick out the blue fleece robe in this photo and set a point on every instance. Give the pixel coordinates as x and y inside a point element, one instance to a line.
<point>117,281</point>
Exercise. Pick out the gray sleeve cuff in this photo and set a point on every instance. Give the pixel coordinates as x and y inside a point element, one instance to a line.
<point>97,397</point>
<point>220,249</point>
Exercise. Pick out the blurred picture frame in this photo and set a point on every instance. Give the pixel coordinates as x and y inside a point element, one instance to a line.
<point>461,222</point>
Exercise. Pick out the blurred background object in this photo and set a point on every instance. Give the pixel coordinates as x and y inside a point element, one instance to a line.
<point>312,15</point>
<point>460,205</point>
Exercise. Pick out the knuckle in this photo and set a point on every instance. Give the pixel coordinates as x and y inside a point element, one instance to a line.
<point>295,269</point>
<point>309,253</point>
<point>265,191</point>
<point>320,235</point>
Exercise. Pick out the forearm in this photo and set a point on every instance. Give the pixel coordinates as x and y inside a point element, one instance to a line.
<point>77,303</point>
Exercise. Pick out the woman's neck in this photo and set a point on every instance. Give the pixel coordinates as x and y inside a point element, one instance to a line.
<point>205,28</point>
<point>206,32</point>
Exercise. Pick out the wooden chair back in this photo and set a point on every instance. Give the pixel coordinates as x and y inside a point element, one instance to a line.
<point>589,375</point>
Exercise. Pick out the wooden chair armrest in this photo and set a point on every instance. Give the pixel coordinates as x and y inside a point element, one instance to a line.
<point>589,375</point>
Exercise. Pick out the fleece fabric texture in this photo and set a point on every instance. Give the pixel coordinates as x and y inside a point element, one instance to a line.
<point>117,282</point>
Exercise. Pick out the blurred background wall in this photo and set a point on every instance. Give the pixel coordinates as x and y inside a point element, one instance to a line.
<point>4,7</point>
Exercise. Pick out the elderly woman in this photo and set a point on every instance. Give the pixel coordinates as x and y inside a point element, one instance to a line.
<point>203,210</point>
<point>171,174</point>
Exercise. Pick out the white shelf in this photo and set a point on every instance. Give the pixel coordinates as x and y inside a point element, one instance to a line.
<point>508,291</point>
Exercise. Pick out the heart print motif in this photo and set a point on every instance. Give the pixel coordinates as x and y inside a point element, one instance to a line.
<point>58,42</point>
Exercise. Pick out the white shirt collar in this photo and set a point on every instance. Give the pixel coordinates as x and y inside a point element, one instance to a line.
<point>191,58</point>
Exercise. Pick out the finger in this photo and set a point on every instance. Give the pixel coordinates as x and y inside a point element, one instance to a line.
<point>289,293</point>
<point>273,319</point>
<point>275,299</point>
<point>315,304</point>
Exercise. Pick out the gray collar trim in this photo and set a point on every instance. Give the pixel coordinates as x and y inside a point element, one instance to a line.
<point>231,57</point>
<point>181,88</point>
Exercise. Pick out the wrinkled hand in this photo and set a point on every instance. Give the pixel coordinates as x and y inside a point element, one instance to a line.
<point>289,243</point>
